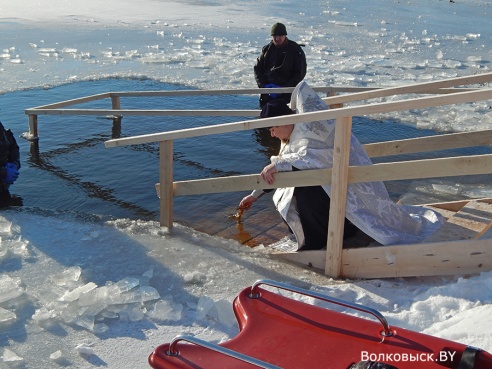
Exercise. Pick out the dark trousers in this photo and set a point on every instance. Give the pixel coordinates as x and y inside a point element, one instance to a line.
<point>313,205</point>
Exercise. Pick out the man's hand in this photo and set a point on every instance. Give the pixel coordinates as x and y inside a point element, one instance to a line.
<point>268,173</point>
<point>246,202</point>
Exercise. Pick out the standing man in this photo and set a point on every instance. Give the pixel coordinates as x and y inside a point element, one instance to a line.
<point>282,63</point>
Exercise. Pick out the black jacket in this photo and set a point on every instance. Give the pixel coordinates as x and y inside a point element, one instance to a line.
<point>9,150</point>
<point>284,66</point>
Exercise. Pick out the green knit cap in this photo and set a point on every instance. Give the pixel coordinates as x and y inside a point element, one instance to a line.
<point>278,29</point>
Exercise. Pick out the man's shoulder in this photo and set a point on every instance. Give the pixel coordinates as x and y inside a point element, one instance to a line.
<point>296,49</point>
<point>295,46</point>
<point>267,46</point>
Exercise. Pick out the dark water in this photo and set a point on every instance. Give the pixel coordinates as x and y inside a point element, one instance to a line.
<point>71,170</point>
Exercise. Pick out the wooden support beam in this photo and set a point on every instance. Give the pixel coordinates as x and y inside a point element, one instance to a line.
<point>166,179</point>
<point>339,183</point>
<point>33,128</point>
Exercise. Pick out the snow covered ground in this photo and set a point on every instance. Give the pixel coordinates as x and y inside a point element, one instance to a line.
<point>77,291</point>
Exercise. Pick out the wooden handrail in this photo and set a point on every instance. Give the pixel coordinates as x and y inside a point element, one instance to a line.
<point>147,112</point>
<point>401,170</point>
<point>385,107</point>
<point>430,143</point>
<point>409,89</point>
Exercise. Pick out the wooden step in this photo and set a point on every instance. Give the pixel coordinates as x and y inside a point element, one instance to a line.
<point>467,223</point>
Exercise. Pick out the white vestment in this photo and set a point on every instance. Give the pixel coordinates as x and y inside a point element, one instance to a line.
<point>368,206</point>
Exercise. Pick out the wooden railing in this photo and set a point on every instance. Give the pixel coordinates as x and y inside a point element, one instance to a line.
<point>62,108</point>
<point>116,112</point>
<point>340,175</point>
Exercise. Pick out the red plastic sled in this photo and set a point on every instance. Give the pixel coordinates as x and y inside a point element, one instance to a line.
<point>280,332</point>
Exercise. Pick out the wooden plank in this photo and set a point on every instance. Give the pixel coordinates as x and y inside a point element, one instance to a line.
<point>311,258</point>
<point>147,112</point>
<point>413,88</point>
<point>429,144</point>
<point>466,224</point>
<point>248,91</point>
<point>80,100</point>
<point>166,178</point>
<point>454,205</point>
<point>426,168</point>
<point>415,260</point>
<point>486,233</point>
<point>250,182</point>
<point>427,259</point>
<point>385,107</point>
<point>339,176</point>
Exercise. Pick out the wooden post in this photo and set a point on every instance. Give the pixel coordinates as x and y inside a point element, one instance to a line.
<point>33,127</point>
<point>166,183</point>
<point>339,182</point>
<point>334,106</point>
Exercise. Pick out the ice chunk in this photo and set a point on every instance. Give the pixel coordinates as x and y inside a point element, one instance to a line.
<point>75,294</point>
<point>71,312</point>
<point>109,314</point>
<point>128,283</point>
<point>10,288</point>
<point>100,328</point>
<point>166,310</point>
<point>41,315</point>
<point>86,322</point>
<point>478,193</point>
<point>453,190</point>
<point>56,355</point>
<point>68,276</point>
<point>7,315</point>
<point>195,277</point>
<point>69,50</point>
<point>95,296</point>
<point>148,293</point>
<point>205,307</point>
<point>10,356</point>
<point>472,36</point>
<point>145,278</point>
<point>142,294</point>
<point>136,313</point>
<point>4,250</point>
<point>19,247</point>
<point>5,227</point>
<point>84,349</point>
<point>225,313</point>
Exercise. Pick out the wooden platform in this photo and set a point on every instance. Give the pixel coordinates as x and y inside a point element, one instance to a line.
<point>472,221</point>
<point>262,226</point>
<point>466,220</point>
<point>447,249</point>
